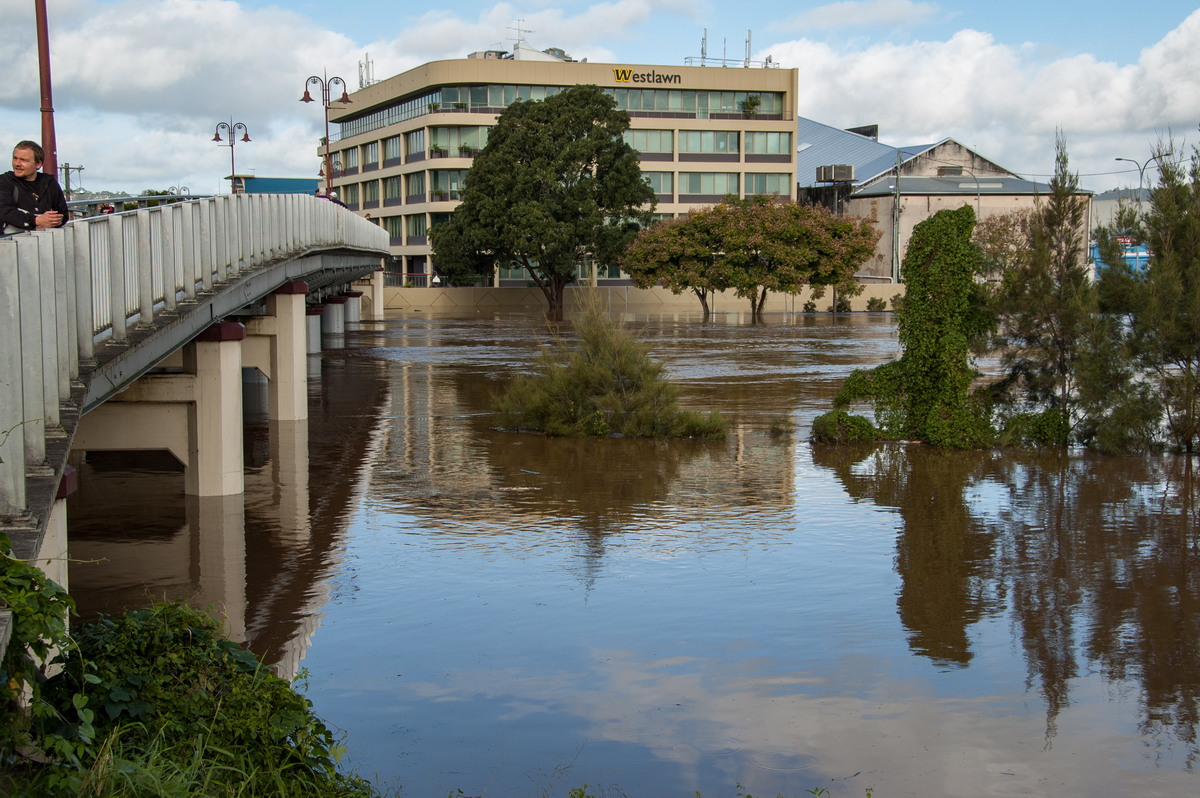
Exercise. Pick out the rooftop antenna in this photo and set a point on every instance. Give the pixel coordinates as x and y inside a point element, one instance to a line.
<point>521,31</point>
<point>366,72</point>
<point>704,47</point>
<point>746,63</point>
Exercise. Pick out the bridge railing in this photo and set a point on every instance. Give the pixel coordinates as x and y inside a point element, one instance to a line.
<point>64,291</point>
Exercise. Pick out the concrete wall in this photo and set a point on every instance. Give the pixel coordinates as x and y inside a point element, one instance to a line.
<point>624,298</point>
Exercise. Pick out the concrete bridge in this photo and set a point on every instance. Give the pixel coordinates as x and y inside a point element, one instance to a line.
<point>130,331</point>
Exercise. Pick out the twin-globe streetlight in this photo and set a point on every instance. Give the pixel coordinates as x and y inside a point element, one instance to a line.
<point>231,129</point>
<point>326,83</point>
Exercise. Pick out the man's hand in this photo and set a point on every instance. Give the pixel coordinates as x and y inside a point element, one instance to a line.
<point>48,220</point>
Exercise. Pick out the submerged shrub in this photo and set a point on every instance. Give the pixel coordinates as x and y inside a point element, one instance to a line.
<point>838,426</point>
<point>609,385</point>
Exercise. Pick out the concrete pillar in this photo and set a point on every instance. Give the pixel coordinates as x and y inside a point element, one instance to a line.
<point>281,356</point>
<point>375,304</point>
<point>333,320</point>
<point>353,306</point>
<point>313,320</point>
<point>52,557</point>
<point>215,418</point>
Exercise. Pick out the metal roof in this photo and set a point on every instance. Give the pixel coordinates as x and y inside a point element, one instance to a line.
<point>956,184</point>
<point>823,145</point>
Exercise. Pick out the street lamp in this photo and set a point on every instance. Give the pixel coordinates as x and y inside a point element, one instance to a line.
<point>179,190</point>
<point>326,83</point>
<point>231,128</point>
<point>1141,171</point>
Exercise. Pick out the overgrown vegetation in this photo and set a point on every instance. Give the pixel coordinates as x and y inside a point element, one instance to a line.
<point>926,394</point>
<point>608,385</point>
<point>1113,364</point>
<point>156,702</point>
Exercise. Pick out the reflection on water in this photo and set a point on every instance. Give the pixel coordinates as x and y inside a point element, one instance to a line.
<point>515,615</point>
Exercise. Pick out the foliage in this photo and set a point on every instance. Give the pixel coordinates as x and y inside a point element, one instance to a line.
<point>752,246</point>
<point>1003,241</point>
<point>608,386</point>
<point>926,394</point>
<point>1160,308</point>
<point>839,427</point>
<point>174,700</point>
<point>875,304</point>
<point>30,725</point>
<point>1046,303</point>
<point>555,185</point>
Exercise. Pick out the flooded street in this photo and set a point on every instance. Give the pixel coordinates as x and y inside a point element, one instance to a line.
<point>509,615</point>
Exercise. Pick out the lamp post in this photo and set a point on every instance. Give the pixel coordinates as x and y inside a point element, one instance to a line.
<point>231,128</point>
<point>1141,171</point>
<point>326,83</point>
<point>179,190</point>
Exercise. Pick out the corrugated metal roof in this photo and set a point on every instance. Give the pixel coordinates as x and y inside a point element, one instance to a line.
<point>957,184</point>
<point>822,145</point>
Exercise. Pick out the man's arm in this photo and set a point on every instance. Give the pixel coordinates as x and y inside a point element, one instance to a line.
<point>58,202</point>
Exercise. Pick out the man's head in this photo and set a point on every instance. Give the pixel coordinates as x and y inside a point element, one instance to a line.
<point>27,159</point>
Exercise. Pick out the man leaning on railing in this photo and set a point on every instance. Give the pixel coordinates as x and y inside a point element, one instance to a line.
<point>30,199</point>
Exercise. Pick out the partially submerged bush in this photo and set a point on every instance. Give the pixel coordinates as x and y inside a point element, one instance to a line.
<point>838,426</point>
<point>608,386</point>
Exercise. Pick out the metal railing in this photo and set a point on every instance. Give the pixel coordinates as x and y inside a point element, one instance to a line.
<point>65,292</point>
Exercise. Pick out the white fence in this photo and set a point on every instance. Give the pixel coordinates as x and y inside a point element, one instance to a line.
<point>64,291</point>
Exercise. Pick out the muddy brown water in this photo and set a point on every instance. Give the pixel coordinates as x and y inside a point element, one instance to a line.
<point>511,615</point>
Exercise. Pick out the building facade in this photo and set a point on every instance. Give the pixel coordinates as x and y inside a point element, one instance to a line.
<point>405,144</point>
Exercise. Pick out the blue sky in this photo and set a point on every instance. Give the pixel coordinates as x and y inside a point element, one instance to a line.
<point>141,84</point>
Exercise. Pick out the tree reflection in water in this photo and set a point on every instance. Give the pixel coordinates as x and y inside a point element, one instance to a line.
<point>1094,560</point>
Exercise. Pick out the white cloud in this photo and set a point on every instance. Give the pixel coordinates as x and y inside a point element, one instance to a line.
<point>1004,101</point>
<point>861,13</point>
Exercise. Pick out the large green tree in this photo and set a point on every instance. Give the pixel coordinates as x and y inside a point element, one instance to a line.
<point>555,186</point>
<point>753,246</point>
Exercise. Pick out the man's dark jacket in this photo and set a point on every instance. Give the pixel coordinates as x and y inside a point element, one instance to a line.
<point>22,200</point>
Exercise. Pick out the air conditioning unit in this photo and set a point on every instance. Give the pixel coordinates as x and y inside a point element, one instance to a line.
<point>836,173</point>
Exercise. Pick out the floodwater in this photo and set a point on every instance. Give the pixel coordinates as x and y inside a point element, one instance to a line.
<point>510,615</point>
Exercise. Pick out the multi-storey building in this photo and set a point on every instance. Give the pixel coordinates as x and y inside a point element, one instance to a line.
<point>702,133</point>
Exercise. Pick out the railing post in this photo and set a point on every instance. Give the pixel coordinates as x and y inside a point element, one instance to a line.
<point>32,403</point>
<point>169,258</point>
<point>193,254</point>
<point>47,298</point>
<point>64,294</point>
<point>145,269</point>
<point>116,278</point>
<point>81,275</point>
<point>218,231</point>
<point>12,455</point>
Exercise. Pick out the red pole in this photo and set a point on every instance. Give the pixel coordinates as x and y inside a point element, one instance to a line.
<point>49,144</point>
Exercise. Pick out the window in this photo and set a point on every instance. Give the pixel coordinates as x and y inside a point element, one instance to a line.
<point>769,184</point>
<point>415,224</point>
<point>651,141</point>
<point>370,191</point>
<point>415,184</point>
<point>414,142</point>
<point>760,143</point>
<point>709,141</point>
<point>393,188</point>
<point>711,183</point>
<point>370,153</point>
<point>661,182</point>
<point>465,140</point>
<point>446,184</point>
<point>394,226</point>
<point>393,148</point>
<point>349,194</point>
<point>349,158</point>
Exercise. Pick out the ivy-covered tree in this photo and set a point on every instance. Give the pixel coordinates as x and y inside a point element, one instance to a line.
<point>926,394</point>
<point>753,246</point>
<point>555,185</point>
